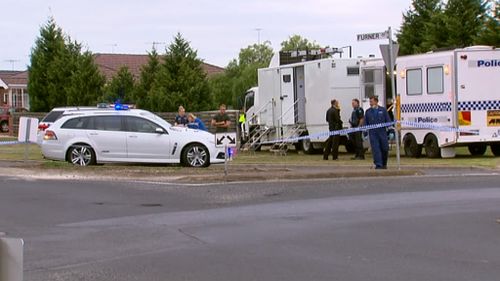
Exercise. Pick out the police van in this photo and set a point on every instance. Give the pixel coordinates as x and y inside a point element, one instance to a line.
<point>459,89</point>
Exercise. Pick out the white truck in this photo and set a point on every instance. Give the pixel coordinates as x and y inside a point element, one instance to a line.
<point>458,89</point>
<point>292,99</point>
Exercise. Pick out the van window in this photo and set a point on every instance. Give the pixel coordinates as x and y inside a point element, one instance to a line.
<point>435,77</point>
<point>107,123</point>
<point>352,70</point>
<point>414,82</point>
<point>249,100</point>
<point>76,123</point>
<point>287,78</point>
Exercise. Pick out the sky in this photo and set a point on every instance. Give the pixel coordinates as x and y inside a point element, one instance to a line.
<point>217,29</point>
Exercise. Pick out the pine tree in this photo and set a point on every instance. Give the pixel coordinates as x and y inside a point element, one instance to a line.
<point>121,87</point>
<point>490,33</point>
<point>46,83</point>
<point>411,35</point>
<point>184,81</point>
<point>149,74</point>
<point>86,83</point>
<point>464,19</point>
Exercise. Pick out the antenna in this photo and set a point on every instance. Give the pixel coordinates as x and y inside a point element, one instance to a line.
<point>12,61</point>
<point>113,46</point>
<point>258,29</point>
<point>154,43</point>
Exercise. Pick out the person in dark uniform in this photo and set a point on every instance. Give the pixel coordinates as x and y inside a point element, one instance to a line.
<point>334,123</point>
<point>356,120</point>
<point>378,137</point>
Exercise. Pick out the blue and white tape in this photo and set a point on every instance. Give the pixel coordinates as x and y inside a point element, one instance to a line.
<point>11,142</point>
<point>372,127</point>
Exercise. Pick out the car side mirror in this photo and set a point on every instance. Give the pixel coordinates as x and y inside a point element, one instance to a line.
<point>160,131</point>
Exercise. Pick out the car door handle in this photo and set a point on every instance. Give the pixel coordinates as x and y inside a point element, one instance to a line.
<point>93,134</point>
<point>133,137</point>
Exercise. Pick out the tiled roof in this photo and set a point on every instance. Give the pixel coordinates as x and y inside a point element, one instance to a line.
<point>14,77</point>
<point>110,64</point>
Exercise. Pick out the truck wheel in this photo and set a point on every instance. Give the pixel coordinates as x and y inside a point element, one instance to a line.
<point>477,149</point>
<point>495,148</point>
<point>4,126</point>
<point>431,145</point>
<point>307,146</point>
<point>411,147</point>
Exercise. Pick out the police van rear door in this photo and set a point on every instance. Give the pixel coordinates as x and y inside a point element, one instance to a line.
<point>478,93</point>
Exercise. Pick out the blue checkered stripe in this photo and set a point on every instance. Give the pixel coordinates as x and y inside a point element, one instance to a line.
<point>426,107</point>
<point>479,105</point>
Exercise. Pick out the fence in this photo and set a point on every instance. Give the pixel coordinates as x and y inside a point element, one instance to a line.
<point>205,116</point>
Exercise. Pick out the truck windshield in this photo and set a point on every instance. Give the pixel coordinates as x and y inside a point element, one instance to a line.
<point>249,100</point>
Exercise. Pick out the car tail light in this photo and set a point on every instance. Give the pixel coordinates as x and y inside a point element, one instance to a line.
<point>50,135</point>
<point>42,126</point>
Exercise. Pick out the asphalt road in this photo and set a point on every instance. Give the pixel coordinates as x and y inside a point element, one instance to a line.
<point>415,228</point>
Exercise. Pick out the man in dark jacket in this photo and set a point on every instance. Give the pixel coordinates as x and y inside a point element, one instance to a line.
<point>334,123</point>
<point>356,120</point>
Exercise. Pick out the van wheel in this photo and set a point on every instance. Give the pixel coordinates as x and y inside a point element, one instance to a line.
<point>411,147</point>
<point>195,155</point>
<point>4,126</point>
<point>477,149</point>
<point>431,145</point>
<point>81,155</point>
<point>307,146</point>
<point>495,148</point>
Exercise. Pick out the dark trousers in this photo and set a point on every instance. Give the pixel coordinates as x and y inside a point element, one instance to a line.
<point>332,146</point>
<point>380,147</point>
<point>357,140</point>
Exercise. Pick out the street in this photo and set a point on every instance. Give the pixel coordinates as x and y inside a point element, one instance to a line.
<point>439,227</point>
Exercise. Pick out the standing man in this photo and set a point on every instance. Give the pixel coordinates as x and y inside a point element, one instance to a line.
<point>378,137</point>
<point>221,120</point>
<point>356,120</point>
<point>334,123</point>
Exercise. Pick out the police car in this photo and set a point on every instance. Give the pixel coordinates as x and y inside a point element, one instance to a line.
<point>120,134</point>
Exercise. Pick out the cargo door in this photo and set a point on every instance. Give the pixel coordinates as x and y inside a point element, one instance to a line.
<point>300,95</point>
<point>478,94</point>
<point>287,107</point>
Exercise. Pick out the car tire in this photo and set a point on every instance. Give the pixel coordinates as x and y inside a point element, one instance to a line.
<point>495,148</point>
<point>477,149</point>
<point>411,147</point>
<point>195,155</point>
<point>4,126</point>
<point>81,155</point>
<point>431,145</point>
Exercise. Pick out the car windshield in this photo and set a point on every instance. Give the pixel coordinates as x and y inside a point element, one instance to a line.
<point>157,119</point>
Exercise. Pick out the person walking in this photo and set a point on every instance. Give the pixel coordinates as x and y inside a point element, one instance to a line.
<point>378,137</point>
<point>356,120</point>
<point>334,123</point>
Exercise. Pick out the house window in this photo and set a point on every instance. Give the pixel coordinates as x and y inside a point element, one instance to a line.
<point>414,82</point>
<point>435,77</point>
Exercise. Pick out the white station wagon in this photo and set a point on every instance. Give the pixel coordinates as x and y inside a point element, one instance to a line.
<point>127,135</point>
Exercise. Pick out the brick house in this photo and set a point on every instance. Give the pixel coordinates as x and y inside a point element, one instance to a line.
<point>14,89</point>
<point>110,64</point>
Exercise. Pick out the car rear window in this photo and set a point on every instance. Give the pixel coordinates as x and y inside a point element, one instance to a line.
<point>53,116</point>
<point>76,123</point>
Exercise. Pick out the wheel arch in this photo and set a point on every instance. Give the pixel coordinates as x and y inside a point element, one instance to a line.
<point>189,144</point>
<point>66,154</point>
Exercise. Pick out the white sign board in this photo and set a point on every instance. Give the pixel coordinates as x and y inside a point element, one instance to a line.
<point>225,139</point>
<point>373,36</point>
<point>11,259</point>
<point>28,128</point>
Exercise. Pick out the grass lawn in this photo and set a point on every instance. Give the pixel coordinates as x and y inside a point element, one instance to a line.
<point>463,159</point>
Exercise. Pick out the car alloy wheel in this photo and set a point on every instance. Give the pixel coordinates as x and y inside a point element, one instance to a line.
<point>81,155</point>
<point>196,156</point>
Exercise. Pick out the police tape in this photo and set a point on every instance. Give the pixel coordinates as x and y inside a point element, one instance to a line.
<point>408,124</point>
<point>11,142</point>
